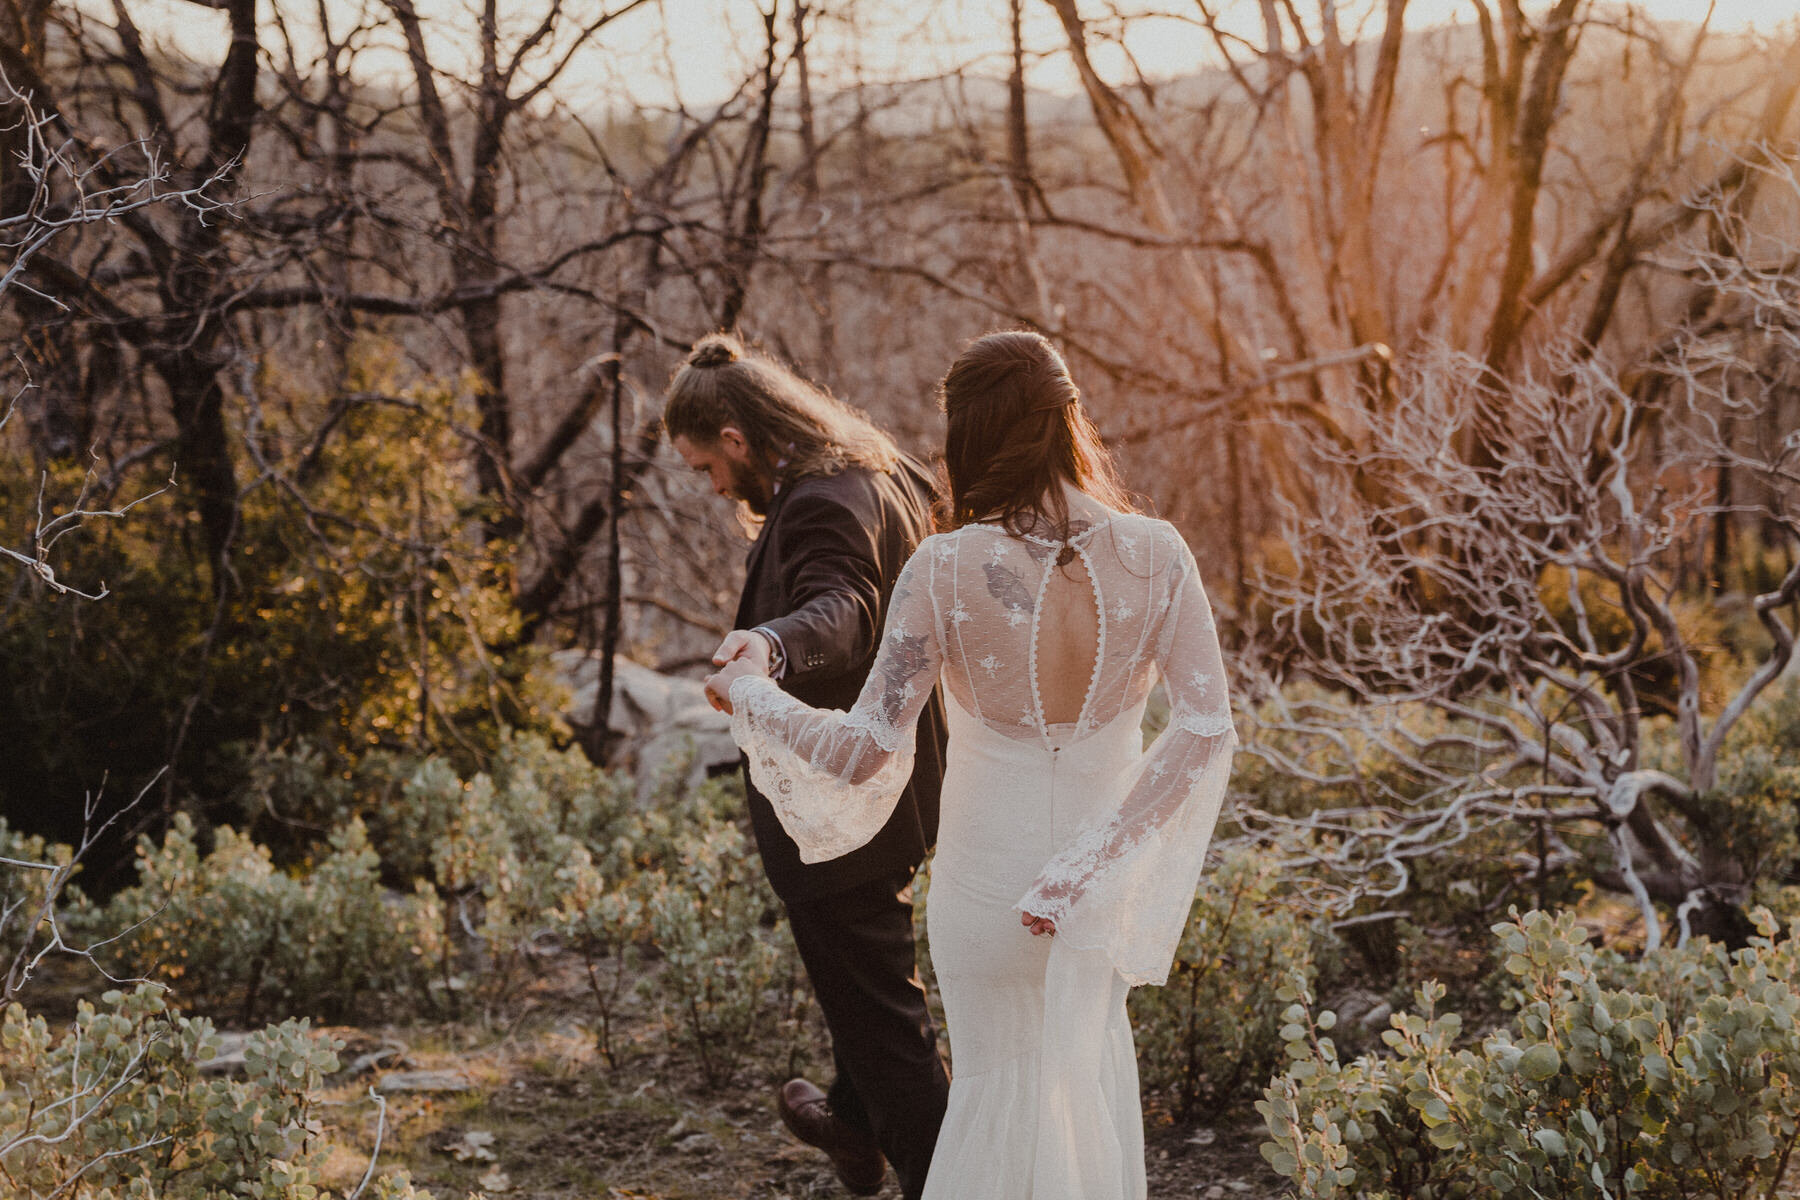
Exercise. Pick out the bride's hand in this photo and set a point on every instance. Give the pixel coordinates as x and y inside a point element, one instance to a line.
<point>718,684</point>
<point>1039,926</point>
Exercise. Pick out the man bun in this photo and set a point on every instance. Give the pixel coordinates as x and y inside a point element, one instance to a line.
<point>714,350</point>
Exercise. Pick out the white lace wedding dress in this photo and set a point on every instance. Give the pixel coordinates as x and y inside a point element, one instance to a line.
<point>1074,821</point>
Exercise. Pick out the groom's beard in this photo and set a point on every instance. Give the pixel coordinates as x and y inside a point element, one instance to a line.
<point>753,488</point>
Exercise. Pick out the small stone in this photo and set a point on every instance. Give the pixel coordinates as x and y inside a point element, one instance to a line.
<point>495,1181</point>
<point>472,1146</point>
<point>697,1143</point>
<point>1203,1137</point>
<point>1215,1192</point>
<point>424,1081</point>
<point>1237,1185</point>
<point>374,1058</point>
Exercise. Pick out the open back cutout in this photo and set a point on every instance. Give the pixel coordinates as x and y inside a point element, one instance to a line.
<point>1068,640</point>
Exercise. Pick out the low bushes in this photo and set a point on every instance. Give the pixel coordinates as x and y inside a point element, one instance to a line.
<point>681,883</point>
<point>1678,1076</point>
<point>230,932</point>
<point>497,845</point>
<point>26,890</point>
<point>1211,1034</point>
<point>667,907</point>
<point>117,1106</point>
<point>727,975</point>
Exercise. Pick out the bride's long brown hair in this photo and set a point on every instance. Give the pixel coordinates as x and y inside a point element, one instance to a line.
<point>1017,431</point>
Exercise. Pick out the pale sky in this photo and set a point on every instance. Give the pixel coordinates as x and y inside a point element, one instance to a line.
<point>708,45</point>
<point>917,38</point>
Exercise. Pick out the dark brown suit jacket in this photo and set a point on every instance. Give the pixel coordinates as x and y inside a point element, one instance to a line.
<point>820,574</point>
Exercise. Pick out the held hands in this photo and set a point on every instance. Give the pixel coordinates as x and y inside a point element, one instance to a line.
<point>743,652</point>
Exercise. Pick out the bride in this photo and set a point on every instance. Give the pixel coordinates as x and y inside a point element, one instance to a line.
<point>1047,611</point>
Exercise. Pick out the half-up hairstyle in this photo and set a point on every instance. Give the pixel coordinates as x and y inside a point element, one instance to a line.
<point>1017,432</point>
<point>796,427</point>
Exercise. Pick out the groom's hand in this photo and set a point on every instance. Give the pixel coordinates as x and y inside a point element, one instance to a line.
<point>746,644</point>
<point>743,652</point>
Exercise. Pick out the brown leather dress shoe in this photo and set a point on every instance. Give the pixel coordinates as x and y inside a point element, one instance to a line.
<point>853,1153</point>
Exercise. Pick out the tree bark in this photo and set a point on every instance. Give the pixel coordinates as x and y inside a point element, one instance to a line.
<point>1556,41</point>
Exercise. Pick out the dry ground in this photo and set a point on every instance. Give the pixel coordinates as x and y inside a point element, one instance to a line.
<point>564,1124</point>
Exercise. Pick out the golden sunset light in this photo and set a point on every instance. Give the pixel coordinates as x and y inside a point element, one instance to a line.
<point>915,599</point>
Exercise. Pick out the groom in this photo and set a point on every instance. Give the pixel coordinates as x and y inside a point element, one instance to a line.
<point>841,510</point>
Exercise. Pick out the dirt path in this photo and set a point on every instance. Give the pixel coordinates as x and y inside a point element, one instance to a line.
<point>544,1117</point>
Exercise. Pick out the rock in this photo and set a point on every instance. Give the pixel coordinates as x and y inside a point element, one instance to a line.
<point>472,1146</point>
<point>698,1143</point>
<point>364,1063</point>
<point>694,749</point>
<point>495,1181</point>
<point>644,699</point>
<point>424,1081</point>
<point>663,721</point>
<point>230,1058</point>
<point>1362,1007</point>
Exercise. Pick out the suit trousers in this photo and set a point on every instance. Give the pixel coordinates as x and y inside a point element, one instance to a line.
<point>858,949</point>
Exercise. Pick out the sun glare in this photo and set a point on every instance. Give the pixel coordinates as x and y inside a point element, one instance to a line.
<point>698,51</point>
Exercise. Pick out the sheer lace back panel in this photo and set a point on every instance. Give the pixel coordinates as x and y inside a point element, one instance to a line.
<point>1085,631</point>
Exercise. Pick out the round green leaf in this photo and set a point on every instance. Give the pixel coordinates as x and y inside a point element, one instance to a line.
<point>1540,1062</point>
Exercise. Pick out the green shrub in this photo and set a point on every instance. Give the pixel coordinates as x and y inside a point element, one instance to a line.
<point>680,882</point>
<point>364,615</point>
<point>1210,1034</point>
<point>429,822</point>
<point>25,916</point>
<point>1755,806</point>
<point>602,920</point>
<point>500,845</point>
<point>117,1106</point>
<point>228,929</point>
<point>1675,1077</point>
<point>484,855</point>
<point>727,975</point>
<point>545,845</point>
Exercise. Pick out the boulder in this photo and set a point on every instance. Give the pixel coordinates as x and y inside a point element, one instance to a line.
<point>424,1081</point>
<point>663,722</point>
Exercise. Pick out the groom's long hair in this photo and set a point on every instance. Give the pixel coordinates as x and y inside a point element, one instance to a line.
<point>794,426</point>
<point>1017,431</point>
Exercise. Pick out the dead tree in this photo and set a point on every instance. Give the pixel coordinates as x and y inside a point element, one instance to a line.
<point>467,187</point>
<point>163,297</point>
<point>49,193</point>
<point>1527,603</point>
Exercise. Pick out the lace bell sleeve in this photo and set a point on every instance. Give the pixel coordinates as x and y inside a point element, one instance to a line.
<point>833,777</point>
<point>1124,886</point>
